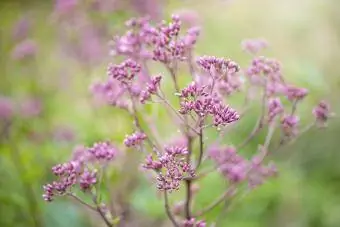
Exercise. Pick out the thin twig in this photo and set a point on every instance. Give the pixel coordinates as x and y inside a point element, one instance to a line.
<point>282,144</point>
<point>215,203</point>
<point>184,120</point>
<point>259,123</point>
<point>82,201</point>
<point>201,143</point>
<point>167,209</point>
<point>100,211</point>
<point>136,120</point>
<point>270,133</point>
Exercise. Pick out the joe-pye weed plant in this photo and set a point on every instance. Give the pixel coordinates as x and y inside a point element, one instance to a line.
<point>200,106</point>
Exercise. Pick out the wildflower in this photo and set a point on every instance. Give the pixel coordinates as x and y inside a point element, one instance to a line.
<point>125,71</point>
<point>103,151</point>
<point>322,112</point>
<point>231,165</point>
<point>294,93</point>
<point>275,108</point>
<point>193,223</point>
<point>24,50</point>
<point>87,179</point>
<point>134,139</point>
<point>289,125</point>
<point>196,99</point>
<point>31,107</point>
<point>21,28</point>
<point>6,108</point>
<point>253,46</point>
<point>151,89</point>
<point>171,167</point>
<point>219,65</point>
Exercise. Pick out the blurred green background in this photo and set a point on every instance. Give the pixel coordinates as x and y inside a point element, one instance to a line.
<point>304,35</point>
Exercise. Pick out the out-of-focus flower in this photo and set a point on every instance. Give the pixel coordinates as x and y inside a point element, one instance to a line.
<point>295,93</point>
<point>24,50</point>
<point>30,107</point>
<point>289,124</point>
<point>193,223</point>
<point>275,108</point>
<point>64,133</point>
<point>151,8</point>
<point>188,17</point>
<point>6,108</point>
<point>21,28</point>
<point>65,6</point>
<point>322,112</point>
<point>253,46</point>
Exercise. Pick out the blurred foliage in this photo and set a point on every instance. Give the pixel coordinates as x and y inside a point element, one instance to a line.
<point>304,35</point>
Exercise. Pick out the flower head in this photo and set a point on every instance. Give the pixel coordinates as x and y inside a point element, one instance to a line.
<point>134,139</point>
<point>322,112</point>
<point>24,50</point>
<point>289,125</point>
<point>103,151</point>
<point>253,46</point>
<point>171,167</point>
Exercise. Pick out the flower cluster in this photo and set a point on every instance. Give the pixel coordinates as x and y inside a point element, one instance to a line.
<point>194,98</point>
<point>275,108</point>
<point>193,223</point>
<point>151,89</point>
<point>289,124</point>
<point>253,46</point>
<point>135,139</point>
<point>125,71</point>
<point>322,112</point>
<point>161,43</point>
<point>171,167</point>
<point>215,65</point>
<point>201,106</point>
<point>237,169</point>
<point>78,170</point>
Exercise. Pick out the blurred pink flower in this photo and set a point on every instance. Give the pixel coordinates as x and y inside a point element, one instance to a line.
<point>24,50</point>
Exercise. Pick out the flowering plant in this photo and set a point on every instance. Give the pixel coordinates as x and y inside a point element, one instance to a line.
<point>200,106</point>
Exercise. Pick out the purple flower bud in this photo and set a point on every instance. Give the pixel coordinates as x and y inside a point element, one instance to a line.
<point>87,179</point>
<point>294,93</point>
<point>151,88</point>
<point>103,151</point>
<point>275,108</point>
<point>151,164</point>
<point>125,71</point>
<point>221,65</point>
<point>193,223</point>
<point>289,125</point>
<point>322,112</point>
<point>135,139</point>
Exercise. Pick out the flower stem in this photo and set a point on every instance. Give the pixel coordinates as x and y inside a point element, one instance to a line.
<point>167,209</point>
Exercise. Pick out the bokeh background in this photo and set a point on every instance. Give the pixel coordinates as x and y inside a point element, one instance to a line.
<point>51,53</point>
